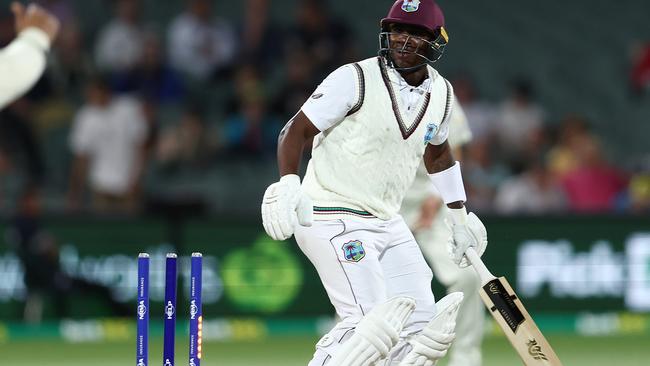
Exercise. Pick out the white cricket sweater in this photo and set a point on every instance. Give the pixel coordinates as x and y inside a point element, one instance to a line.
<point>368,160</point>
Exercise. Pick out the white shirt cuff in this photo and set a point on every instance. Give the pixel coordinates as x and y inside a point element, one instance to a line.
<point>35,37</point>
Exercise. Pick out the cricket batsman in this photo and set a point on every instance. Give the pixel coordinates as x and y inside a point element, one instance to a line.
<point>373,122</point>
<point>22,62</point>
<point>425,214</point>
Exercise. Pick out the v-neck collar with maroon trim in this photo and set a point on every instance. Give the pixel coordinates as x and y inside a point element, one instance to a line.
<point>406,130</point>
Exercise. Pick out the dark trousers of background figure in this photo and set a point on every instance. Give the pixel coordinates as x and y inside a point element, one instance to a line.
<point>43,276</point>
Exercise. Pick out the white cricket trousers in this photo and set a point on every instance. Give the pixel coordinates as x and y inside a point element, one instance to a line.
<point>363,262</point>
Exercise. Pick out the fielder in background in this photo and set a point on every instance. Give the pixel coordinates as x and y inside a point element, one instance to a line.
<point>425,214</point>
<point>373,122</point>
<point>22,62</point>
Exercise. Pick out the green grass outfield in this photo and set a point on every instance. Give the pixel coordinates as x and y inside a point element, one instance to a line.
<point>632,350</point>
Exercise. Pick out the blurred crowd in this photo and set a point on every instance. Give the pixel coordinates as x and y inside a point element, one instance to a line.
<point>133,99</point>
<point>521,163</point>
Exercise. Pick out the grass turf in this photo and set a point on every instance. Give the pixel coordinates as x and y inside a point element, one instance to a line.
<point>572,350</point>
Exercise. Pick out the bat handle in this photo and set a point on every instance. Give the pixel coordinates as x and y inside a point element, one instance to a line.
<point>484,274</point>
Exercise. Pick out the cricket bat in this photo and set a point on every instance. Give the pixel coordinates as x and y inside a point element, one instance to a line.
<point>512,317</point>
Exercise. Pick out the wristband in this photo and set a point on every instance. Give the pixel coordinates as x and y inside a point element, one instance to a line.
<point>449,183</point>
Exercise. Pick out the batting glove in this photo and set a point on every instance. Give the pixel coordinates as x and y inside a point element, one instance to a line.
<point>284,205</point>
<point>467,231</point>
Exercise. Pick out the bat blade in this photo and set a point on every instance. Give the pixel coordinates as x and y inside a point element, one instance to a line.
<point>522,332</point>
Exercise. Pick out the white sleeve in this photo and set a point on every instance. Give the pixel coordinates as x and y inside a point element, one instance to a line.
<point>21,64</point>
<point>105,55</point>
<point>139,125</point>
<point>332,99</point>
<point>182,47</point>
<point>82,134</point>
<point>443,131</point>
<point>459,132</point>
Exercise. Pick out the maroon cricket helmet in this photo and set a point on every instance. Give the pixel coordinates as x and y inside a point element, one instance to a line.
<point>424,13</point>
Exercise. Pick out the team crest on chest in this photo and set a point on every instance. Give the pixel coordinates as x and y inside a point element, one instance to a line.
<point>431,131</point>
<point>410,6</point>
<point>353,251</point>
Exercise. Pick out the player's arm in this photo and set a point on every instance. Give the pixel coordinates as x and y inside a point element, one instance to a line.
<point>439,161</point>
<point>291,142</point>
<point>445,174</point>
<point>459,135</point>
<point>284,202</point>
<point>467,229</point>
<point>22,62</point>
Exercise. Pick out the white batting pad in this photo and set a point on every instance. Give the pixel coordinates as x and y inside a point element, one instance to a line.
<point>375,334</point>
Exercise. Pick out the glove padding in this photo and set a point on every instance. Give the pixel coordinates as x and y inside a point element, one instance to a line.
<point>284,205</point>
<point>429,347</point>
<point>467,231</point>
<point>432,343</point>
